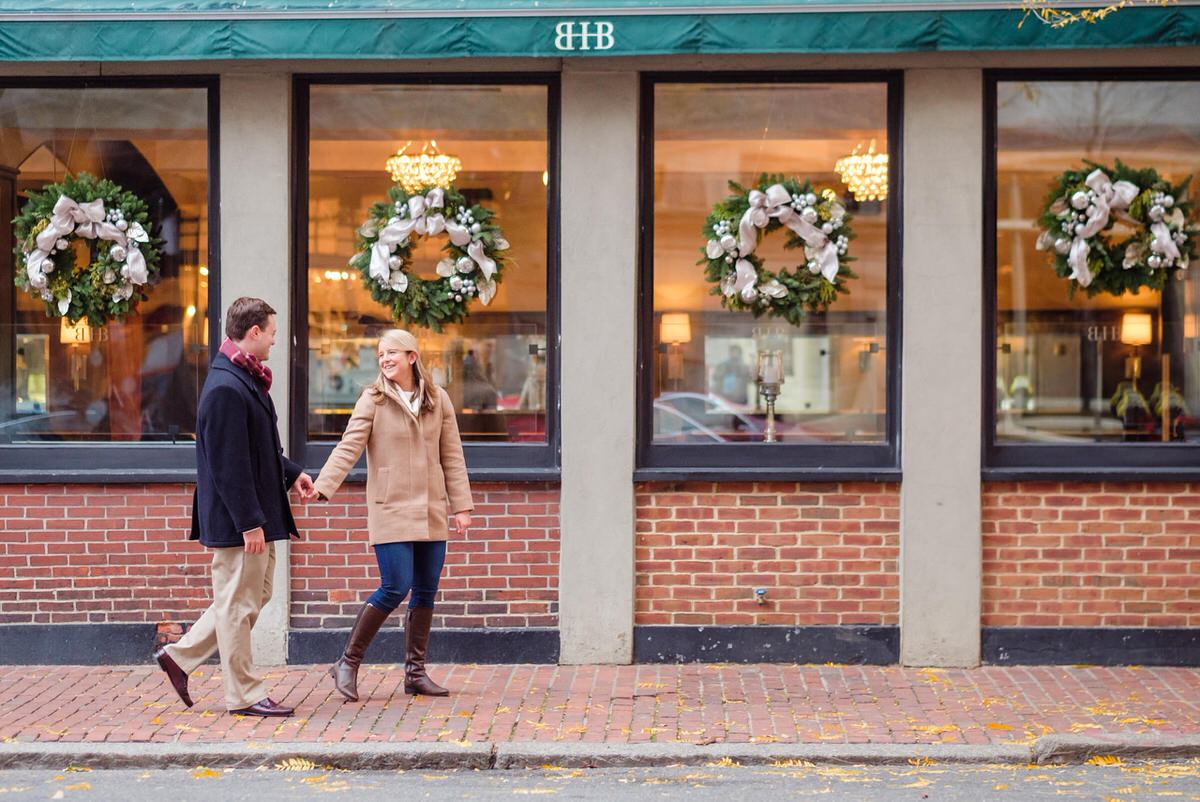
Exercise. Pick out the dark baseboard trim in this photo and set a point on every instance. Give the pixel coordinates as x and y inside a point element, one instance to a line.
<point>1100,646</point>
<point>76,644</point>
<point>872,645</point>
<point>445,645</point>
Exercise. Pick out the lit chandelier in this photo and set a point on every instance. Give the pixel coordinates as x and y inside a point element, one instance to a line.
<point>429,168</point>
<point>865,174</point>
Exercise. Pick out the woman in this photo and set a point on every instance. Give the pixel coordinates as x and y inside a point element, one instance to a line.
<point>414,464</point>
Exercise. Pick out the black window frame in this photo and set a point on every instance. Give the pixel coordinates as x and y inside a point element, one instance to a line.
<point>1034,461</point>
<point>510,462</point>
<point>778,461</point>
<point>117,462</point>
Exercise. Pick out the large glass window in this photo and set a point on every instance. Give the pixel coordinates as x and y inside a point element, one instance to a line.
<point>700,388</point>
<point>497,365</point>
<point>136,381</point>
<point>1075,374</point>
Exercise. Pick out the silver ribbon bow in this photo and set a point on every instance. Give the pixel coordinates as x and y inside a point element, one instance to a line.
<point>777,202</point>
<point>423,217</point>
<point>1109,198</point>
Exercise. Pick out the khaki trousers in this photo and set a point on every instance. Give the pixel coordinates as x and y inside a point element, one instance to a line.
<point>241,586</point>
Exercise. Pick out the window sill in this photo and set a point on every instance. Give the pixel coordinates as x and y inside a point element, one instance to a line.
<point>1097,474</point>
<point>881,475</point>
<point>103,476</point>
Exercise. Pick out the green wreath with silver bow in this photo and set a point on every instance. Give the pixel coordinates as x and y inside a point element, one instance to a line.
<point>816,221</point>
<point>1118,229</point>
<point>472,267</point>
<point>122,256</point>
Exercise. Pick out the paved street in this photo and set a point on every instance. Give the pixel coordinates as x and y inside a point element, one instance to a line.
<point>1118,781</point>
<point>642,704</point>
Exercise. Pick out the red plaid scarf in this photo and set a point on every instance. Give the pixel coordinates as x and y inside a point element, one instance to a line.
<point>248,363</point>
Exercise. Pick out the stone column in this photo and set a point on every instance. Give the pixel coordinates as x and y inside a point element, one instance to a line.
<point>940,517</point>
<point>599,230</point>
<point>255,220</point>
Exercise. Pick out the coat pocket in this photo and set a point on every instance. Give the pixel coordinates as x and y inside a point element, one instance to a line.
<point>379,493</point>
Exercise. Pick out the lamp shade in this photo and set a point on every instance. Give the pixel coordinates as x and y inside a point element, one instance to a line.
<point>676,327</point>
<point>1137,328</point>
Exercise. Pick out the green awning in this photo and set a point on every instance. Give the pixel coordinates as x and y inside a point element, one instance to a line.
<point>150,30</point>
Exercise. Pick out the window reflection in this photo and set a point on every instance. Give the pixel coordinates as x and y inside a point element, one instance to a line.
<point>494,364</point>
<point>137,380</point>
<point>705,366</point>
<point>1079,370</point>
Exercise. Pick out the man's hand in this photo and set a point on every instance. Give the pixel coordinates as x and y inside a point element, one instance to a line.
<point>462,522</point>
<point>255,541</point>
<point>304,484</point>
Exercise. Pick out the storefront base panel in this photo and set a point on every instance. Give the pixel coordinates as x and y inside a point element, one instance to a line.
<point>504,573</point>
<point>681,644</point>
<point>76,644</point>
<point>445,646</point>
<point>1102,555</point>
<point>822,554</point>
<point>1102,647</point>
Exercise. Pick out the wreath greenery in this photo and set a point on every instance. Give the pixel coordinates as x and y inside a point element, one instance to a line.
<point>817,222</point>
<point>472,268</point>
<point>1117,229</point>
<point>85,248</point>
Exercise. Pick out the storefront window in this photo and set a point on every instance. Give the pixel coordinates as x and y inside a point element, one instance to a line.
<point>494,365</point>
<point>137,380</point>
<point>1073,370</point>
<point>704,360</point>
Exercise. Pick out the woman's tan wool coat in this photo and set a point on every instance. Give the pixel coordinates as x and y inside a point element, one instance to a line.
<point>414,464</point>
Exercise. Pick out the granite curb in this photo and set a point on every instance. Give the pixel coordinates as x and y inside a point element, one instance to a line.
<point>523,755</point>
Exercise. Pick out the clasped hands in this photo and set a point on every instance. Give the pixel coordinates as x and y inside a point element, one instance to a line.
<point>305,487</point>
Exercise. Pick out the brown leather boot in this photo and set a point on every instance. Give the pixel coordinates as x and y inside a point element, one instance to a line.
<point>345,670</point>
<point>416,644</point>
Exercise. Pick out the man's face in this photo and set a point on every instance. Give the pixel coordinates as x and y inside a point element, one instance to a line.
<point>258,340</point>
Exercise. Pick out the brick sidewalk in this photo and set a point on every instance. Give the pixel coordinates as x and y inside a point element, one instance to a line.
<point>697,704</point>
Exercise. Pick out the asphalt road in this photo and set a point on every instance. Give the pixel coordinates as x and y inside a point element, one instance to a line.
<point>1124,781</point>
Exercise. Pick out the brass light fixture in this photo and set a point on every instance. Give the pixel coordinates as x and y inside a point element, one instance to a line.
<point>866,174</point>
<point>428,168</point>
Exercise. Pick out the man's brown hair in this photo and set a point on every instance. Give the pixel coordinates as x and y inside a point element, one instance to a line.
<point>244,314</point>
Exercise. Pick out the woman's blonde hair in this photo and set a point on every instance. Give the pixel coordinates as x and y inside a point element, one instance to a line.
<point>399,338</point>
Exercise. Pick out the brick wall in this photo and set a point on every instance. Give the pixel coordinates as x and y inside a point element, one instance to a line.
<point>99,554</point>
<point>1067,554</point>
<point>504,574</point>
<point>826,553</point>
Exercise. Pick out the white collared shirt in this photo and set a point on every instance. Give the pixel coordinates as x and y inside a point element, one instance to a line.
<point>411,399</point>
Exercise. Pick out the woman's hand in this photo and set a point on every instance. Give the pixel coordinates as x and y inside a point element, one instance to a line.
<point>462,522</point>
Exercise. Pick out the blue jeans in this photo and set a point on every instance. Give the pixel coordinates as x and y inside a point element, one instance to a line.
<point>415,566</point>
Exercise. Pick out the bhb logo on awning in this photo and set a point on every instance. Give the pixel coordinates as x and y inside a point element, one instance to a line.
<point>583,36</point>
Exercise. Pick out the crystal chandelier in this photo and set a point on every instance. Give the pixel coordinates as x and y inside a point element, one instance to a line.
<point>429,168</point>
<point>865,174</point>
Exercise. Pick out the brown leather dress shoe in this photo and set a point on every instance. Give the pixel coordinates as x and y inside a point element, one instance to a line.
<point>177,675</point>
<point>267,707</point>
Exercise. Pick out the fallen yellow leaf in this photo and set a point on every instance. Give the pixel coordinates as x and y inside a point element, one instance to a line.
<point>202,772</point>
<point>1103,760</point>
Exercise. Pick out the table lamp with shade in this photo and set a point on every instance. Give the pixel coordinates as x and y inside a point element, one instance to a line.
<point>675,329</point>
<point>1137,329</point>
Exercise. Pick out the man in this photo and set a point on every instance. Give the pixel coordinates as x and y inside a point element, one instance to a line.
<point>240,508</point>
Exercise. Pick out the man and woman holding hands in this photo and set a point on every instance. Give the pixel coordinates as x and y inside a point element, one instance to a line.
<point>416,474</point>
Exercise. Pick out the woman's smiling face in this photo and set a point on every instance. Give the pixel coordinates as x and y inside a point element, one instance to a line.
<point>394,362</point>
